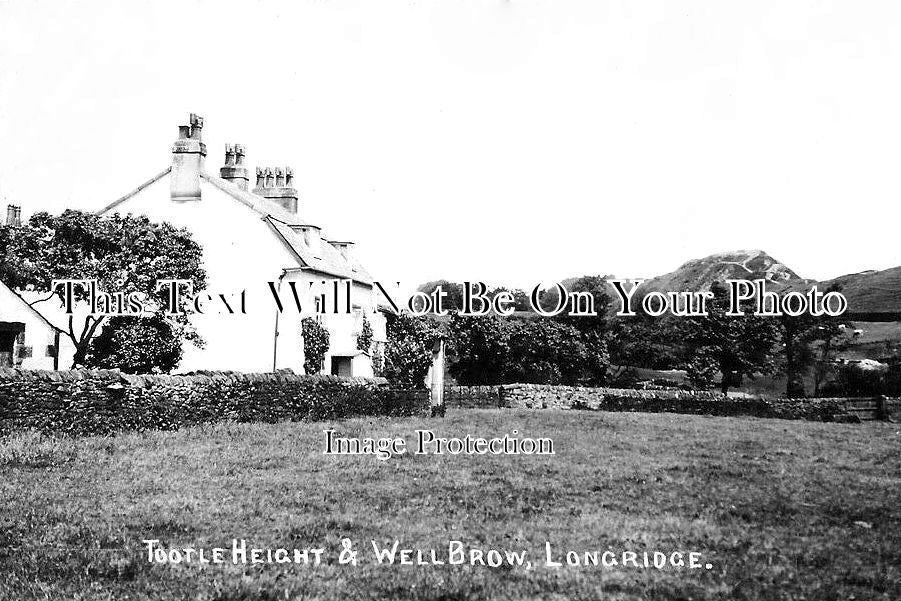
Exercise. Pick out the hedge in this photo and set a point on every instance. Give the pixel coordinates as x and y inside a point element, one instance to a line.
<point>89,402</point>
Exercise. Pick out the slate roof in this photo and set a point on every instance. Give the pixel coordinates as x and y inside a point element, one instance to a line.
<point>327,259</point>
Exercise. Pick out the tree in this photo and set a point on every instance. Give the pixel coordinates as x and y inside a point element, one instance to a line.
<point>408,351</point>
<point>482,347</point>
<point>520,298</point>
<point>454,293</point>
<point>736,346</point>
<point>315,344</point>
<point>642,341</point>
<point>544,351</point>
<point>811,341</point>
<point>136,345</point>
<point>797,333</point>
<point>596,286</point>
<point>125,254</point>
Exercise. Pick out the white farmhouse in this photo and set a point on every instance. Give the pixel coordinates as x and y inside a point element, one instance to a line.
<point>27,339</point>
<point>251,237</point>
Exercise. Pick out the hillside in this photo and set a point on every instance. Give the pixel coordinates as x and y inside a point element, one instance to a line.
<point>699,274</point>
<point>872,295</point>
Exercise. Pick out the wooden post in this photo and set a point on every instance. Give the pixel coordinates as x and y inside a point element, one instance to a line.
<point>436,392</point>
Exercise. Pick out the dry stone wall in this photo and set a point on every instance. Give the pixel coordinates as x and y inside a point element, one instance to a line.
<point>541,396</point>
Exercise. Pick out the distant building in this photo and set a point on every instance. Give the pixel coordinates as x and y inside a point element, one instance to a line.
<point>27,339</point>
<point>251,237</point>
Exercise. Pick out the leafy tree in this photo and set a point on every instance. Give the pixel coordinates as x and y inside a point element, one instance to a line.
<point>830,338</point>
<point>797,333</point>
<point>735,346</point>
<point>482,347</point>
<point>454,298</point>
<point>597,360</point>
<point>315,344</point>
<point>126,254</point>
<point>544,351</point>
<point>595,285</point>
<point>136,345</point>
<point>810,341</point>
<point>642,341</point>
<point>408,351</point>
<point>520,298</point>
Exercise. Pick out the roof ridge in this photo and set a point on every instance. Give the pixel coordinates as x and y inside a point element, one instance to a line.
<point>122,199</point>
<point>33,310</point>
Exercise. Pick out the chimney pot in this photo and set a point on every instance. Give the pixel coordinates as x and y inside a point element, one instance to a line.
<point>13,214</point>
<point>196,123</point>
<point>276,184</point>
<point>234,170</point>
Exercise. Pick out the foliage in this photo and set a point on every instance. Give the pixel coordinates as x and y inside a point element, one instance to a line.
<point>851,379</point>
<point>315,344</point>
<point>542,351</point>
<point>596,286</point>
<point>482,347</point>
<point>830,338</point>
<point>454,293</point>
<point>408,352</point>
<point>364,338</point>
<point>126,254</point>
<point>496,350</point>
<point>520,298</point>
<point>810,341</point>
<point>85,403</point>
<point>136,345</point>
<point>642,341</point>
<point>378,359</point>
<point>797,334</point>
<point>735,346</point>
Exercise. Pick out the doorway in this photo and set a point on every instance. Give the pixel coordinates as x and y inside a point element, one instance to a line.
<point>9,332</point>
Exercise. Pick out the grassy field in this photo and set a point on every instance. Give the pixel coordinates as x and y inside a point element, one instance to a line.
<point>781,510</point>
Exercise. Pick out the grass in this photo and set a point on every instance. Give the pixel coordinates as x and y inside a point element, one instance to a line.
<point>782,510</point>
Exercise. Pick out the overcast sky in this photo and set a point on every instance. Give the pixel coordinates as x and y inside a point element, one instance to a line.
<point>511,141</point>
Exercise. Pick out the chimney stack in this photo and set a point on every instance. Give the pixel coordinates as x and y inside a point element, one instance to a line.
<point>188,155</point>
<point>234,170</point>
<point>277,185</point>
<point>13,215</point>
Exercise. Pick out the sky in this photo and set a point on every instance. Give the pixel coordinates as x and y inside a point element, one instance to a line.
<point>507,141</point>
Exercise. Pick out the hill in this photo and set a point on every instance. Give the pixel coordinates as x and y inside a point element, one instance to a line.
<point>699,274</point>
<point>872,295</point>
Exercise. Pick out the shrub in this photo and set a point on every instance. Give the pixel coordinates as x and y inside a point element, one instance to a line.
<point>105,401</point>
<point>408,353</point>
<point>315,345</point>
<point>364,338</point>
<point>136,345</point>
